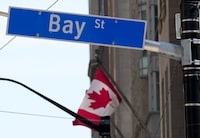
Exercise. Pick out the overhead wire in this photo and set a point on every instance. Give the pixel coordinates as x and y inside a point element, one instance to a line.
<point>59,117</point>
<point>36,115</point>
<point>13,38</point>
<point>86,121</point>
<point>11,112</point>
<point>9,41</point>
<point>1,48</point>
<point>63,108</point>
<point>39,115</point>
<point>52,4</point>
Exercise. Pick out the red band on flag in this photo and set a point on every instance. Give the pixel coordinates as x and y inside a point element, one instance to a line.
<point>91,117</point>
<point>100,100</point>
<point>101,77</point>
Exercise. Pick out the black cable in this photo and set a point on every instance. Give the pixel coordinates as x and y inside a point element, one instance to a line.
<point>77,116</point>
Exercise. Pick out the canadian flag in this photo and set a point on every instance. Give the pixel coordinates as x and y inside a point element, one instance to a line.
<point>100,100</point>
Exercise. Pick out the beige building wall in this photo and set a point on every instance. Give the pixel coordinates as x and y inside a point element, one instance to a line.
<point>163,82</point>
<point>123,64</point>
<point>171,81</point>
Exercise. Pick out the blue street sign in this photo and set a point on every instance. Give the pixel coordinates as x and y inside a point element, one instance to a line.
<point>101,30</point>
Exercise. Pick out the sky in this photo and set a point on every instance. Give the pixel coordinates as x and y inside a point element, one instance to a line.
<point>56,69</point>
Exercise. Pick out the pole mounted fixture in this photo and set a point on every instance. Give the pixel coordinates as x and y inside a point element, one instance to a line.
<point>190,40</point>
<point>105,126</point>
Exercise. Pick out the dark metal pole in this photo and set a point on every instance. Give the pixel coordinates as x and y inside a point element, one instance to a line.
<point>191,70</point>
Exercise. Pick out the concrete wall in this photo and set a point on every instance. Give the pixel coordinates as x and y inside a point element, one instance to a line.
<point>123,64</point>
<point>172,115</point>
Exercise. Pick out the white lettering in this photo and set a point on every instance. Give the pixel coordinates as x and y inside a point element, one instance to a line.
<point>79,29</point>
<point>54,23</point>
<point>102,24</point>
<point>99,24</point>
<point>68,27</point>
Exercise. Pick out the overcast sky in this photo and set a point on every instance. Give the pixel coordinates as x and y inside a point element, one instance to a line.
<point>57,69</point>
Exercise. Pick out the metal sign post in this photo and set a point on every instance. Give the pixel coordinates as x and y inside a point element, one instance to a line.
<point>190,39</point>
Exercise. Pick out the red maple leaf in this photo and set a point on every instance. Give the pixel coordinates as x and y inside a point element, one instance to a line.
<point>100,100</point>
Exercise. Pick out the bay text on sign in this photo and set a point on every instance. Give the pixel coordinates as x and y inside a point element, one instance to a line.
<point>101,30</point>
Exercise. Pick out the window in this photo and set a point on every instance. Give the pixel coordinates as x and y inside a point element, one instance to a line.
<point>157,92</point>
<point>154,94</point>
<point>143,6</point>
<point>143,65</point>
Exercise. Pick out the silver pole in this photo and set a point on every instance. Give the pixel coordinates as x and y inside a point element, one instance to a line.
<point>4,14</point>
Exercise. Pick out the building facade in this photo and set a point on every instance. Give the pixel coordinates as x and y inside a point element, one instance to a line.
<point>151,83</point>
<point>171,81</point>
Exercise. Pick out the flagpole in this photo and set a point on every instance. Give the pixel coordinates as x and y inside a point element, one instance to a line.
<point>126,100</point>
<point>115,126</point>
<point>84,120</point>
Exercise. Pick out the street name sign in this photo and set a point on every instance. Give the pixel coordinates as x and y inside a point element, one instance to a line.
<point>101,30</point>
